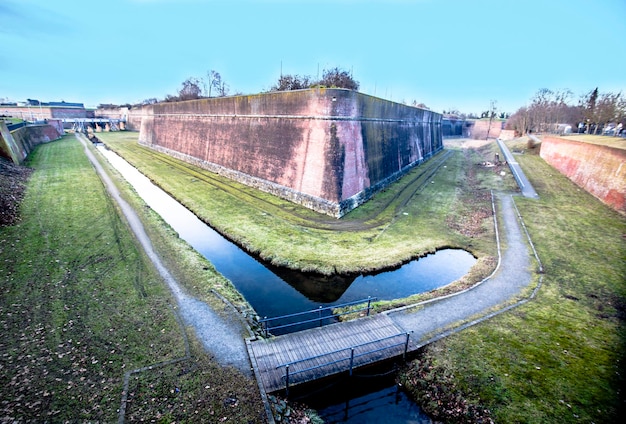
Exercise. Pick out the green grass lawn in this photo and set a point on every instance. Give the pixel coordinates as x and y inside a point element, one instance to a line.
<point>618,142</point>
<point>81,306</point>
<point>559,358</point>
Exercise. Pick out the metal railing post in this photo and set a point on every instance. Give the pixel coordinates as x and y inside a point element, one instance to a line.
<point>320,314</point>
<point>287,380</point>
<point>265,326</point>
<point>406,346</point>
<point>351,359</point>
<point>369,302</point>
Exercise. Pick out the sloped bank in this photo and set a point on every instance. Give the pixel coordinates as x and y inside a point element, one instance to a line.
<point>17,145</point>
<point>598,169</point>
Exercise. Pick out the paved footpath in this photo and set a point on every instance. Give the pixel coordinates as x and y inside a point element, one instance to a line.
<point>510,278</point>
<point>527,189</point>
<point>222,335</point>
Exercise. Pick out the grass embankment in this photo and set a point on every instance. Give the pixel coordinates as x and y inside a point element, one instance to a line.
<point>413,217</point>
<point>559,358</point>
<point>81,306</point>
<point>603,140</point>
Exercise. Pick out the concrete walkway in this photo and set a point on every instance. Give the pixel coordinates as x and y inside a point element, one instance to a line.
<point>439,317</point>
<point>523,183</point>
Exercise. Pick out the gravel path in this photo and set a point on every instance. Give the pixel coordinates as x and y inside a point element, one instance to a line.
<point>511,277</point>
<point>221,336</point>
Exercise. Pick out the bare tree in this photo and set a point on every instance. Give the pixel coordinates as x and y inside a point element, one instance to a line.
<point>560,106</point>
<point>493,112</point>
<point>588,103</point>
<point>292,82</point>
<point>607,109</point>
<point>549,111</point>
<point>191,89</point>
<point>338,78</point>
<point>222,89</point>
<point>214,80</point>
<point>519,121</point>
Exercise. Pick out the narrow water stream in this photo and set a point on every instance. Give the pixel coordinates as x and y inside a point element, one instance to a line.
<point>273,291</point>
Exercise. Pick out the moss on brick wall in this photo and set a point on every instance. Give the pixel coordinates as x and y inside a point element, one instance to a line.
<point>322,146</point>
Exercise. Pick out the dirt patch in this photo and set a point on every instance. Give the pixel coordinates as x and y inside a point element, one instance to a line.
<point>471,221</point>
<point>466,143</point>
<point>13,180</point>
<point>436,393</point>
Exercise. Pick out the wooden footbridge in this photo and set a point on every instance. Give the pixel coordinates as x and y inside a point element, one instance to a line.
<point>288,360</point>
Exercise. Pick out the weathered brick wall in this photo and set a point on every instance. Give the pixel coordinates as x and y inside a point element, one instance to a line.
<point>69,113</point>
<point>18,144</point>
<point>600,170</point>
<point>34,113</point>
<point>482,128</point>
<point>134,117</point>
<point>114,113</point>
<point>328,149</point>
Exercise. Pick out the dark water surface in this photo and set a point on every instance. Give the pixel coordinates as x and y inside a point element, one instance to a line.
<point>274,291</point>
<point>369,396</point>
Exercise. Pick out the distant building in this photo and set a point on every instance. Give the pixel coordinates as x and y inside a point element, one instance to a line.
<point>35,110</point>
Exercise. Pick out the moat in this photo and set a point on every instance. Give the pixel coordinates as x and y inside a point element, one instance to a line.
<point>274,291</point>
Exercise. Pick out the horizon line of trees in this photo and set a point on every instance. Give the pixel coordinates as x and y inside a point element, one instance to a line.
<point>212,85</point>
<point>549,110</point>
<point>555,111</point>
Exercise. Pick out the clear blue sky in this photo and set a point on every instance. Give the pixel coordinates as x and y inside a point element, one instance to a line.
<point>444,53</point>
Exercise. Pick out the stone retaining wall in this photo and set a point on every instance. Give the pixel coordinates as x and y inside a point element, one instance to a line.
<point>18,144</point>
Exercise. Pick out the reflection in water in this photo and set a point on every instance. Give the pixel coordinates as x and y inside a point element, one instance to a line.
<point>319,288</point>
<point>388,405</point>
<point>370,396</point>
<point>274,291</point>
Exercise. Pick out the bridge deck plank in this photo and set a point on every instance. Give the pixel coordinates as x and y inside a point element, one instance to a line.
<point>332,341</point>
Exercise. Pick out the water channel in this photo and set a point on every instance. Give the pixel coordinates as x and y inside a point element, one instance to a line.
<point>273,291</point>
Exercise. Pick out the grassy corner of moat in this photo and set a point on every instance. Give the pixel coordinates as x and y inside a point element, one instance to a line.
<point>558,358</point>
<point>413,217</point>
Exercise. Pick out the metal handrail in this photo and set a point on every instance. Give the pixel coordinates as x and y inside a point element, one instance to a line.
<point>351,358</point>
<point>264,322</point>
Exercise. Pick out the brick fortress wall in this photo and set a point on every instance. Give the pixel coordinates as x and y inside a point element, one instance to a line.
<point>482,127</point>
<point>598,169</point>
<point>34,113</point>
<point>327,149</point>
